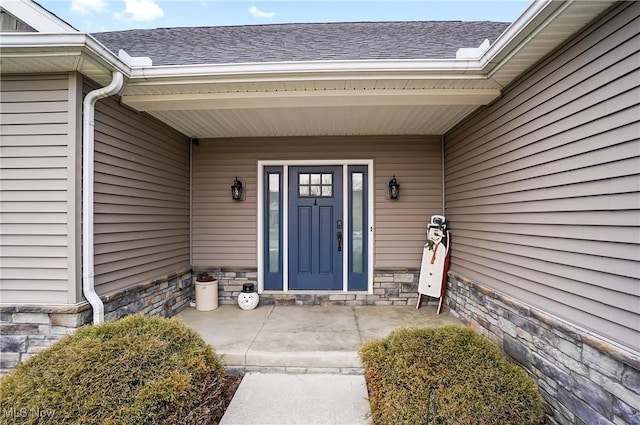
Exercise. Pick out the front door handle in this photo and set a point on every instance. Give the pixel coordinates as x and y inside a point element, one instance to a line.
<point>339,235</point>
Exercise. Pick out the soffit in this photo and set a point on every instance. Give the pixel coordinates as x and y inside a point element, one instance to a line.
<point>318,121</point>
<point>314,107</point>
<point>40,63</point>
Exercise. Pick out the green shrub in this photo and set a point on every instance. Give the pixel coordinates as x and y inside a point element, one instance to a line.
<point>137,370</point>
<point>447,375</point>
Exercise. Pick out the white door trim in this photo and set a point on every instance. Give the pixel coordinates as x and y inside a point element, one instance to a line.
<point>285,217</point>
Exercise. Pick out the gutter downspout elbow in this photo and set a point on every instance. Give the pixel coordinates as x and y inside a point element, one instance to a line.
<point>88,145</point>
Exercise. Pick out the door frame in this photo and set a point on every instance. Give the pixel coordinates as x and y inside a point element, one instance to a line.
<point>285,164</point>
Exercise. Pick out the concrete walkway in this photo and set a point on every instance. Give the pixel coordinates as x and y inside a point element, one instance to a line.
<point>310,399</point>
<point>301,363</point>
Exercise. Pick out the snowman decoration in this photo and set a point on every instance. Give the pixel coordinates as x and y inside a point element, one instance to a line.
<point>435,261</point>
<point>248,299</point>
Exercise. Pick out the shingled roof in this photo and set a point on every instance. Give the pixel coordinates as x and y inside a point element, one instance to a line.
<point>302,42</point>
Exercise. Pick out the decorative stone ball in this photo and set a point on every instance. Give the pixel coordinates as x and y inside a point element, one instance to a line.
<point>248,299</point>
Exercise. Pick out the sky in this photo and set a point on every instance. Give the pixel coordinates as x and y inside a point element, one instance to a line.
<point>114,15</point>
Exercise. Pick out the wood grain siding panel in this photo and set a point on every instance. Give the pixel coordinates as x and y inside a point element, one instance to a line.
<point>10,23</point>
<point>141,197</point>
<point>224,231</point>
<point>37,189</point>
<point>542,187</point>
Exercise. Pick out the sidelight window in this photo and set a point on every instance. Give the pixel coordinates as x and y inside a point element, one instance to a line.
<point>273,231</point>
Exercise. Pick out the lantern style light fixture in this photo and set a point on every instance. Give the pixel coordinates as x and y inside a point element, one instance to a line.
<point>394,188</point>
<point>237,190</point>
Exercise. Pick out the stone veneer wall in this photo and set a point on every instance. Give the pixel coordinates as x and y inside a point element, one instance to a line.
<point>583,379</point>
<point>390,287</point>
<point>26,329</point>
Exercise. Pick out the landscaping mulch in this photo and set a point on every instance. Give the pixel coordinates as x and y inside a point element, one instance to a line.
<point>218,405</point>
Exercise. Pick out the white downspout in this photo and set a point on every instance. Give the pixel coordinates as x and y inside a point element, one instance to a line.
<point>191,140</point>
<point>88,142</point>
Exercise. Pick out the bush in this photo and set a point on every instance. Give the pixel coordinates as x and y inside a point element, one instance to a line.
<point>448,375</point>
<point>136,370</point>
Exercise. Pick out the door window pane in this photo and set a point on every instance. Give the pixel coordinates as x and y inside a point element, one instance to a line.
<point>315,185</point>
<point>274,223</point>
<point>357,231</point>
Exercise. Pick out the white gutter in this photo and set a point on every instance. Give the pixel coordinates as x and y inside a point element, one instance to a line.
<point>191,139</point>
<point>414,68</point>
<point>535,11</point>
<point>88,142</point>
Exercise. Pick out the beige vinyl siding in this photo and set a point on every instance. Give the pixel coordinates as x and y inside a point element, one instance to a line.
<point>224,232</point>
<point>542,186</point>
<point>141,198</point>
<point>39,188</point>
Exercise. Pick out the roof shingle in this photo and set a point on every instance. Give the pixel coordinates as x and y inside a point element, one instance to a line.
<point>303,42</point>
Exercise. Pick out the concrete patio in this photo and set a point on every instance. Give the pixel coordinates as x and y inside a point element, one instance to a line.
<point>303,338</point>
<point>301,362</point>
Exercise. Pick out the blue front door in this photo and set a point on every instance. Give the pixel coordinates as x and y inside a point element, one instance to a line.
<point>315,228</point>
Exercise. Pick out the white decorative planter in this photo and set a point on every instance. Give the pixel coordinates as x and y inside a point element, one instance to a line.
<point>206,295</point>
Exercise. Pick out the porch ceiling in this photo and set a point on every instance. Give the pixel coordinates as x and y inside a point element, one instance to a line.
<point>318,108</point>
<point>315,121</point>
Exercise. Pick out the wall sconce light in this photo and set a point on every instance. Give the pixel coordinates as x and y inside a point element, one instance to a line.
<point>394,188</point>
<point>237,190</point>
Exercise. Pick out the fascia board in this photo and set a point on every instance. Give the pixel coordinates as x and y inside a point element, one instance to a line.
<point>311,99</point>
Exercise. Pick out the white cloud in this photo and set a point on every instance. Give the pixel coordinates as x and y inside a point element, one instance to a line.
<point>85,7</point>
<point>257,13</point>
<point>143,10</point>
